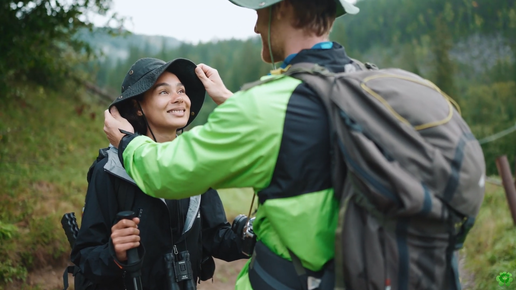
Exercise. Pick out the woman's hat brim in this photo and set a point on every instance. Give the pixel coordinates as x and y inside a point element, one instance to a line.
<point>184,69</point>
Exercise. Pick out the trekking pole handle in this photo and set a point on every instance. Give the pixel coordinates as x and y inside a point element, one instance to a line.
<point>70,227</point>
<point>132,254</point>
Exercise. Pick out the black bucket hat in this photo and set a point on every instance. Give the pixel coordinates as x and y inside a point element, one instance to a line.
<point>146,71</point>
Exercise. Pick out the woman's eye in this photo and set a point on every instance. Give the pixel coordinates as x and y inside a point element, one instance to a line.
<point>181,91</point>
<point>163,92</point>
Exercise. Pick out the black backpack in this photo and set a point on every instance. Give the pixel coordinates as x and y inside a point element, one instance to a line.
<point>125,197</point>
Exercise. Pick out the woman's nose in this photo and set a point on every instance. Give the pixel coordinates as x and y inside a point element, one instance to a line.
<point>180,100</point>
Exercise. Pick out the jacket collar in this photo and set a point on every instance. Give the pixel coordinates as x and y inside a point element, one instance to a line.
<point>114,167</point>
<point>333,57</point>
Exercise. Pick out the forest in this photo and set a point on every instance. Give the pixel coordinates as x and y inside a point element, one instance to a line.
<point>467,48</point>
<point>51,121</point>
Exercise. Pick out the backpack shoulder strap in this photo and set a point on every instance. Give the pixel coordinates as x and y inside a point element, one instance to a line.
<point>125,193</point>
<point>319,79</point>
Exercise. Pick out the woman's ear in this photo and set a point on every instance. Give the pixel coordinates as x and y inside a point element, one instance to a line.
<point>137,107</point>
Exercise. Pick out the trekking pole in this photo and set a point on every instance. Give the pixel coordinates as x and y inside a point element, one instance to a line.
<point>132,254</point>
<point>70,227</point>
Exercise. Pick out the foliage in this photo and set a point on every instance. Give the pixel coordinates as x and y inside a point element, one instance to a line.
<point>8,272</point>
<point>489,246</point>
<point>37,42</point>
<point>392,22</point>
<point>463,46</point>
<point>50,129</point>
<point>6,231</point>
<point>490,109</point>
<point>46,177</point>
<point>440,47</point>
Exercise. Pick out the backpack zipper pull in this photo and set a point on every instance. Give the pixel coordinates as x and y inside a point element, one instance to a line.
<point>387,284</point>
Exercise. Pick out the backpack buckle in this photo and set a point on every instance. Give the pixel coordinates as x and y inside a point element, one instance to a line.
<point>371,66</point>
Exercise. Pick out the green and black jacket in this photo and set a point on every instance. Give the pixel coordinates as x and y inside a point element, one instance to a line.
<point>273,137</point>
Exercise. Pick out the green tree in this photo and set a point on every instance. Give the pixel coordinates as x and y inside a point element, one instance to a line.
<point>444,67</point>
<point>38,43</point>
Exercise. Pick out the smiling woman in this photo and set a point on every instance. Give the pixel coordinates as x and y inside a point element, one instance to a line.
<point>158,98</point>
<point>167,107</point>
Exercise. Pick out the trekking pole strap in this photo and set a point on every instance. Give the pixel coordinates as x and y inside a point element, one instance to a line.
<point>68,270</point>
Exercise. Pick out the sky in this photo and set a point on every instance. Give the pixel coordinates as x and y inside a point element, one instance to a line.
<point>187,20</point>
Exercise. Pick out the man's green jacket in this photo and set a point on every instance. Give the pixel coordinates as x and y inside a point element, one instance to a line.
<point>274,138</point>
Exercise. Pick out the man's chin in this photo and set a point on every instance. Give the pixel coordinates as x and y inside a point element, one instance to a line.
<point>266,57</point>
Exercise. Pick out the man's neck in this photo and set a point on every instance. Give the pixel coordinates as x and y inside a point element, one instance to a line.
<point>296,43</point>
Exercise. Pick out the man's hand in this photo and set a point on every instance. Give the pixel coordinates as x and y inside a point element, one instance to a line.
<point>214,85</point>
<point>113,122</point>
<point>125,235</point>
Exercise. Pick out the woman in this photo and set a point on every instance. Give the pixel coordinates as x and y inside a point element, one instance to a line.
<point>159,99</point>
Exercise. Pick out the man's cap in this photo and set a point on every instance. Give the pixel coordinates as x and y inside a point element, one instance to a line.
<point>145,72</point>
<point>343,6</point>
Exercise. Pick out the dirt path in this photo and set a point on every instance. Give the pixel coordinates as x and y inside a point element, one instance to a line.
<point>225,276</point>
<point>51,278</point>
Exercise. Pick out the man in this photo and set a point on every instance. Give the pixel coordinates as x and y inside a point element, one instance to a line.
<point>273,137</point>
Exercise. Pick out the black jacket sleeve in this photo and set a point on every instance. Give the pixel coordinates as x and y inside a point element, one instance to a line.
<point>218,239</point>
<point>91,250</point>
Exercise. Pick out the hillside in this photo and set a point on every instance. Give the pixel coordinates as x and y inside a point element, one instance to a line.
<point>48,140</point>
<point>114,48</point>
<point>51,128</point>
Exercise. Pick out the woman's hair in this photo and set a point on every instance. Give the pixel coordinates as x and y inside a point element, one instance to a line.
<point>314,16</point>
<point>129,110</point>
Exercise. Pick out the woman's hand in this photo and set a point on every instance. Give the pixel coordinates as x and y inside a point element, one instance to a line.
<point>125,235</point>
<point>214,85</point>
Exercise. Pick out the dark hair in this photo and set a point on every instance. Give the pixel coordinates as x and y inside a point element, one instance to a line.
<point>129,110</point>
<point>314,16</point>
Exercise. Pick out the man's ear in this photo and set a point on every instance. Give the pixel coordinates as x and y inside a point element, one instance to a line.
<point>283,9</point>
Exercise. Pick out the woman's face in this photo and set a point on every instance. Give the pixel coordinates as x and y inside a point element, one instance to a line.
<point>166,105</point>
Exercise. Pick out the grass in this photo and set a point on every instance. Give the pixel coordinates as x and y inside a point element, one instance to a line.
<point>491,244</point>
<point>236,201</point>
<point>48,140</point>
<point>47,143</point>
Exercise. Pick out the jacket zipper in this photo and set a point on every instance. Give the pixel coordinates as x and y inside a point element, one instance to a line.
<point>170,225</point>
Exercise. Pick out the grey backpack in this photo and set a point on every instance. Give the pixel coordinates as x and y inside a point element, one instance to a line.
<point>408,172</point>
